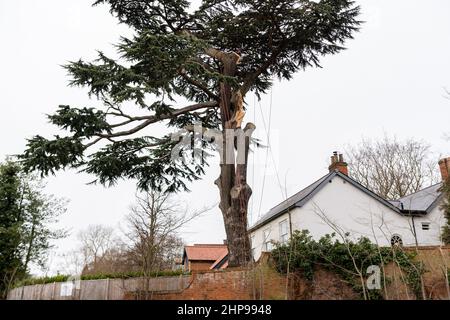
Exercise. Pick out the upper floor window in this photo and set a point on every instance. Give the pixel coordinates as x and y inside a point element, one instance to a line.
<point>284,231</point>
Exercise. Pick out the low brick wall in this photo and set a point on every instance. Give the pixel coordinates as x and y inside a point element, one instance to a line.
<point>256,283</point>
<point>261,282</point>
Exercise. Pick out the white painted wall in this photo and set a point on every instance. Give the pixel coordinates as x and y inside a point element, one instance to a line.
<point>432,236</point>
<point>351,210</point>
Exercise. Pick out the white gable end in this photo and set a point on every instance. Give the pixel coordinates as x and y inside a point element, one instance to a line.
<point>341,207</point>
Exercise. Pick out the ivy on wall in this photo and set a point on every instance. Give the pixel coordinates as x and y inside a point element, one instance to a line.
<point>302,254</point>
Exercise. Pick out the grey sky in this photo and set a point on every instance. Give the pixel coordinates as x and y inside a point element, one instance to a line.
<point>390,79</point>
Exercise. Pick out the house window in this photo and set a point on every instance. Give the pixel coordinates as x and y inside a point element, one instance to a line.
<point>267,242</point>
<point>396,240</point>
<point>425,226</point>
<point>283,231</point>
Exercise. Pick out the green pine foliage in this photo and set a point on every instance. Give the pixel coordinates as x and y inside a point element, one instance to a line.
<point>167,61</point>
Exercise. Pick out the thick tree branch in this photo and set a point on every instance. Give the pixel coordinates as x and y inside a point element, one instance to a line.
<point>156,118</point>
<point>90,144</point>
<point>151,119</point>
<point>224,57</point>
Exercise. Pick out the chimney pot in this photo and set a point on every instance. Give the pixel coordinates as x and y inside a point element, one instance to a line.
<point>338,163</point>
<point>444,166</point>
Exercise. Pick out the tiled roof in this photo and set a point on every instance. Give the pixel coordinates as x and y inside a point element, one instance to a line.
<point>206,252</point>
<point>422,200</point>
<point>220,263</point>
<point>292,201</point>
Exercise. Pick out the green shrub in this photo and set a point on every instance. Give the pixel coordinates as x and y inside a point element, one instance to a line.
<point>133,274</point>
<point>99,276</point>
<point>41,280</point>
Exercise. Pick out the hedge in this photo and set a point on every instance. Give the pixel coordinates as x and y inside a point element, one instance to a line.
<point>99,276</point>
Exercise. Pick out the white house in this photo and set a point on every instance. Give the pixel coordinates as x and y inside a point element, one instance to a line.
<point>337,203</point>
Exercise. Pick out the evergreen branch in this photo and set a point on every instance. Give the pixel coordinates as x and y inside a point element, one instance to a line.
<point>156,118</point>
<point>252,77</point>
<point>199,85</point>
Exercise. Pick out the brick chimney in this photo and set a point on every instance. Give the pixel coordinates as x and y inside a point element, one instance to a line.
<point>338,163</point>
<point>444,165</point>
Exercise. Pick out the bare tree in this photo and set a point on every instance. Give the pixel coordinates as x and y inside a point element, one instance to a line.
<point>153,225</point>
<point>100,251</point>
<point>71,262</point>
<point>392,168</point>
<point>96,241</point>
<point>152,241</point>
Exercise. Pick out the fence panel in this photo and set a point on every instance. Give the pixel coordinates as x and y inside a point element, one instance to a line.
<point>104,289</point>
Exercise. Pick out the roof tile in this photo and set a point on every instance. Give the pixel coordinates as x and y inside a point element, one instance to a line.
<point>206,252</point>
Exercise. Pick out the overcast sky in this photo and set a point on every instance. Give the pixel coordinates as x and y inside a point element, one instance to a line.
<point>389,80</point>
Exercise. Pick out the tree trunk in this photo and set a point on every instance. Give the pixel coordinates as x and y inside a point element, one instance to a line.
<point>30,246</point>
<point>232,182</point>
<point>234,197</point>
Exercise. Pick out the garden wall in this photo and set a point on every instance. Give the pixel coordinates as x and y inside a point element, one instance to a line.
<point>259,282</point>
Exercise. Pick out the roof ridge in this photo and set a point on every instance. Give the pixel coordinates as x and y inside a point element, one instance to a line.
<point>286,205</point>
<point>318,183</point>
<point>309,185</point>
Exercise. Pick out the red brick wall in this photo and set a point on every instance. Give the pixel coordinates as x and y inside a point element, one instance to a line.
<point>226,285</point>
<point>231,284</point>
<point>263,282</point>
<point>260,282</point>
<point>200,265</point>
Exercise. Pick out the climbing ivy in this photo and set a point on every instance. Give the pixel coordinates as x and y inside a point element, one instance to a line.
<point>302,254</point>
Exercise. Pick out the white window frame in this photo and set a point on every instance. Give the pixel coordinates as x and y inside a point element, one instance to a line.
<point>284,237</point>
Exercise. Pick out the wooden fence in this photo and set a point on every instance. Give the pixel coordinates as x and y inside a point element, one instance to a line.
<point>106,289</point>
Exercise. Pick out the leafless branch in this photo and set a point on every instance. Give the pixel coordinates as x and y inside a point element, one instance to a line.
<point>392,168</point>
